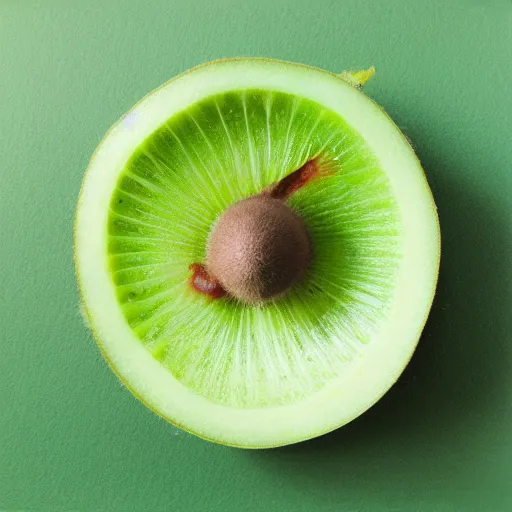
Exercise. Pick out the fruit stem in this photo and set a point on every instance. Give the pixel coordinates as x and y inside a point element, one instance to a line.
<point>357,78</point>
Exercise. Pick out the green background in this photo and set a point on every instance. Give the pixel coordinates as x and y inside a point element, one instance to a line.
<point>72,438</point>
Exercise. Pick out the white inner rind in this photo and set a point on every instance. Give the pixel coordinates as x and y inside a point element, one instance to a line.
<point>370,375</point>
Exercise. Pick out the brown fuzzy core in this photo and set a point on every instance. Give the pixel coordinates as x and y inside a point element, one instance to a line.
<point>258,249</point>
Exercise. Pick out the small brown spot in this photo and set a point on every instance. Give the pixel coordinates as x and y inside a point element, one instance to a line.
<point>202,282</point>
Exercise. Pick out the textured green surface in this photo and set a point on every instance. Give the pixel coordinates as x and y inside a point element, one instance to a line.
<point>183,177</point>
<point>71,438</point>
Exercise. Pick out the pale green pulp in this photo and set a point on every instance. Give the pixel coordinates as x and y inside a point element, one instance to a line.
<point>168,197</point>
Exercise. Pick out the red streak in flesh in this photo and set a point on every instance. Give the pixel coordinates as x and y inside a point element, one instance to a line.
<point>296,180</point>
<point>202,282</point>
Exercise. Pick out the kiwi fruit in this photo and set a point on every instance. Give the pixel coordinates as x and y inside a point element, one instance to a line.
<point>257,250</point>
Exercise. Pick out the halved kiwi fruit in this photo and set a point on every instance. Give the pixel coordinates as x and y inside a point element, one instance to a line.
<point>257,250</point>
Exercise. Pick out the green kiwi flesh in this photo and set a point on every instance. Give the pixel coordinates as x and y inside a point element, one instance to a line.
<point>177,186</point>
